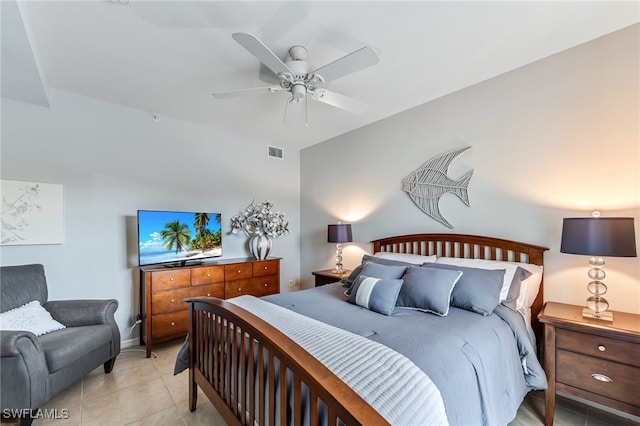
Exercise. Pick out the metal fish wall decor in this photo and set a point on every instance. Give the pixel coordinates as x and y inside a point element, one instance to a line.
<point>426,185</point>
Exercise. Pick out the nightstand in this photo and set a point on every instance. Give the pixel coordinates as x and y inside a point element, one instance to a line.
<point>327,276</point>
<point>592,359</point>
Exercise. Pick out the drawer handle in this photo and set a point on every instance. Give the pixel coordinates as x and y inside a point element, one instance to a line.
<point>171,279</point>
<point>239,289</point>
<point>173,323</point>
<point>208,294</point>
<point>208,275</point>
<point>266,285</point>
<point>173,301</point>
<point>602,348</point>
<point>266,267</point>
<point>602,378</point>
<point>239,271</point>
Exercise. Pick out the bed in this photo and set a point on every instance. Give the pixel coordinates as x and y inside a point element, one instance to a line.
<point>309,357</point>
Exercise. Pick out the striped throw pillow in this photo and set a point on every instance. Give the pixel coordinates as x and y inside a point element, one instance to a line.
<point>376,294</point>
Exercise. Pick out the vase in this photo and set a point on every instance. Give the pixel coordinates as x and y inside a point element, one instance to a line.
<point>260,246</point>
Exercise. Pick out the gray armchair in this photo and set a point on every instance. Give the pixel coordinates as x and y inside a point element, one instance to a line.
<point>33,369</point>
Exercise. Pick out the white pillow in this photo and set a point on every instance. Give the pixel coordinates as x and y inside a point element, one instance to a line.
<point>415,259</point>
<point>30,317</point>
<point>528,289</point>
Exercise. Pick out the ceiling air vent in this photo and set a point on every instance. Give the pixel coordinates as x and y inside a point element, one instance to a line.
<point>274,152</point>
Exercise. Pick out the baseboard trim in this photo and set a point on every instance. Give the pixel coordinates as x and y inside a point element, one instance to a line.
<point>129,343</point>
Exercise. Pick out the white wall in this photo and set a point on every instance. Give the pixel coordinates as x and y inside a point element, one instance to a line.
<point>557,138</point>
<point>113,161</point>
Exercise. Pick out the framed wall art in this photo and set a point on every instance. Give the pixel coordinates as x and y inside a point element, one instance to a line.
<point>31,213</point>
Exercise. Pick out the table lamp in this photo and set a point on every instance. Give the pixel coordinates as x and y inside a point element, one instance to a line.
<point>596,237</point>
<point>340,233</point>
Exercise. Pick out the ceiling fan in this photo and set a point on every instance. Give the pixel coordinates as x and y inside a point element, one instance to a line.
<point>296,77</point>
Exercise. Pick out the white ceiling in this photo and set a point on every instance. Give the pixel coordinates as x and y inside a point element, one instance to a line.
<point>167,57</point>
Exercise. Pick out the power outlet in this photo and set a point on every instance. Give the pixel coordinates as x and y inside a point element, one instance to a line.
<point>291,283</point>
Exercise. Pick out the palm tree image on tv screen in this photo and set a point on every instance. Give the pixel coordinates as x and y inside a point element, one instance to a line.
<point>178,237</point>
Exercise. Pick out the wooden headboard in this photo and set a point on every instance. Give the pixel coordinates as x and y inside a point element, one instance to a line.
<point>470,247</point>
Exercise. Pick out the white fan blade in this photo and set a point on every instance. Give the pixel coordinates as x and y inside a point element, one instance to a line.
<point>340,101</point>
<point>250,91</point>
<point>262,52</point>
<point>354,61</point>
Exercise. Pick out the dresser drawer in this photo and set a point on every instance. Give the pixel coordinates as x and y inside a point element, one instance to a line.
<point>600,347</point>
<point>173,300</point>
<point>580,371</point>
<point>207,275</point>
<point>265,267</point>
<point>237,271</point>
<point>237,288</point>
<point>262,286</point>
<point>163,302</point>
<point>172,324</point>
<point>164,280</point>
<point>209,290</point>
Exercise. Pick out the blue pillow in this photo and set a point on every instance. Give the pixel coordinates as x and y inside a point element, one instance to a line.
<point>377,270</point>
<point>477,290</point>
<point>348,281</point>
<point>376,294</point>
<point>427,289</point>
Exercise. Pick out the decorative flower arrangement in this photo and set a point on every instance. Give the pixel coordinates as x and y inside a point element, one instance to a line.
<point>259,219</point>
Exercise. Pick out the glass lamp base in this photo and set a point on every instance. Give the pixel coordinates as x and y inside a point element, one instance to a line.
<point>604,316</point>
<point>338,269</point>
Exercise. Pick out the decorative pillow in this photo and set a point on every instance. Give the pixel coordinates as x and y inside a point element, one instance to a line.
<point>415,259</point>
<point>516,286</point>
<point>427,289</point>
<point>30,317</point>
<point>477,290</point>
<point>530,287</point>
<point>376,294</point>
<point>389,269</point>
<point>510,269</point>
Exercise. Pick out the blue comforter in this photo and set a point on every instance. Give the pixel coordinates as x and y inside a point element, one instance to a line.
<point>483,366</point>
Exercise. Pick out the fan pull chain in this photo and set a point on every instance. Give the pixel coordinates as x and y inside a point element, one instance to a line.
<point>306,103</point>
<point>284,116</point>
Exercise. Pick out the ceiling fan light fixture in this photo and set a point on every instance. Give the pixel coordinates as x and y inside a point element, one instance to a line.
<point>298,92</point>
<point>298,53</point>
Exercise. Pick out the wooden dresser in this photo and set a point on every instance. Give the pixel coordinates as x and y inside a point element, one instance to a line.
<point>163,311</point>
<point>592,359</point>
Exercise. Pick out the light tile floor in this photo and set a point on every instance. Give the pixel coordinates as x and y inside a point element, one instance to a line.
<point>143,391</point>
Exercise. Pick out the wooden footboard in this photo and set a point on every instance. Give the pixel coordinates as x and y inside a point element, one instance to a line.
<point>226,345</point>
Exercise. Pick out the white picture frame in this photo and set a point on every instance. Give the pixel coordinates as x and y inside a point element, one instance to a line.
<point>31,213</point>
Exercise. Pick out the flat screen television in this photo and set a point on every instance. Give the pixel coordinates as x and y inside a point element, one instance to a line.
<point>176,238</point>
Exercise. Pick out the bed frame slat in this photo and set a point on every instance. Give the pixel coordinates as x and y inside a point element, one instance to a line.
<point>252,389</point>
<point>261,382</point>
<point>272,388</point>
<point>284,395</point>
<point>314,416</point>
<point>297,400</point>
